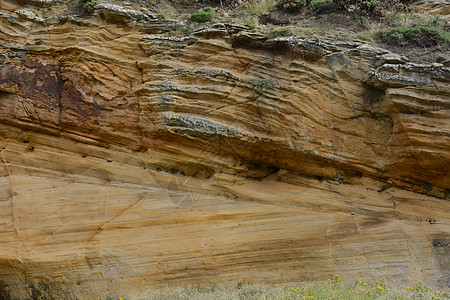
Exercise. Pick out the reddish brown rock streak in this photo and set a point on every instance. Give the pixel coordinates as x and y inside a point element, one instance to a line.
<point>133,155</point>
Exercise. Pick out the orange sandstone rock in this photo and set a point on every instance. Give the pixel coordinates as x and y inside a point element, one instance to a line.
<point>133,157</point>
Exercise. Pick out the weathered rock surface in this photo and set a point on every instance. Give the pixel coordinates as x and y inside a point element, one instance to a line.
<point>133,154</point>
<point>433,7</point>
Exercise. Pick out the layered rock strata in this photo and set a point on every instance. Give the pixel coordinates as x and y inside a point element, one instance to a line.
<point>136,153</point>
<point>433,7</point>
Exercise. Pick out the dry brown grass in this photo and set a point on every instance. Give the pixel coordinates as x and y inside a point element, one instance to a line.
<point>335,288</point>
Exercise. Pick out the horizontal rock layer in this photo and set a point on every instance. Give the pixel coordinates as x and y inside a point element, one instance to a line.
<point>136,154</point>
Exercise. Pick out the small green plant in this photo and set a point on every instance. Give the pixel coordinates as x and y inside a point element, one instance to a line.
<point>184,31</point>
<point>336,279</point>
<point>365,37</point>
<point>161,16</point>
<point>271,32</point>
<point>89,6</point>
<point>241,283</point>
<point>207,14</point>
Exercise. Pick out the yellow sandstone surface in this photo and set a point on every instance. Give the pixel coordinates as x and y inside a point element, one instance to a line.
<point>136,154</point>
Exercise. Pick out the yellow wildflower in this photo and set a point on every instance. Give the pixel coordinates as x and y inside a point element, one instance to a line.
<point>380,287</point>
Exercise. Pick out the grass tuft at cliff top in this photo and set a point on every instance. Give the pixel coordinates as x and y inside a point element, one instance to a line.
<point>334,288</point>
<point>425,36</point>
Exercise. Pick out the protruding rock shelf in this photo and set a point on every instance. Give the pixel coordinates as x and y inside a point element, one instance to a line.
<point>133,154</point>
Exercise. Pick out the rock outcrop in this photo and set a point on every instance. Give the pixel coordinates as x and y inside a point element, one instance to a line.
<point>433,7</point>
<point>136,153</point>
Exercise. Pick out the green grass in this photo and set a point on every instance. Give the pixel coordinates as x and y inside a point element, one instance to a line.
<point>274,31</point>
<point>334,288</point>
<point>207,14</point>
<point>261,6</point>
<point>420,35</point>
<point>281,31</point>
<point>399,19</point>
<point>315,4</point>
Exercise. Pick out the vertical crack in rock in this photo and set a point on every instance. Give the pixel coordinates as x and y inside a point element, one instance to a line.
<point>363,249</point>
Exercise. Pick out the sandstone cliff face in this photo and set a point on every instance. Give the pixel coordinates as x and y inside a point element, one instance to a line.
<point>432,7</point>
<point>134,154</point>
